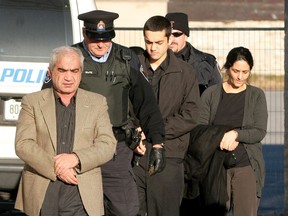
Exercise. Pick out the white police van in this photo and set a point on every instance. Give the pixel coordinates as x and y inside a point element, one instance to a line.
<point>30,29</point>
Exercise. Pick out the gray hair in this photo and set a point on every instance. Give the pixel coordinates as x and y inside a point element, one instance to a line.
<point>59,51</point>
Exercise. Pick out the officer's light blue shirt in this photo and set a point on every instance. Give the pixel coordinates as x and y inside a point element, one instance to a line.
<point>100,60</point>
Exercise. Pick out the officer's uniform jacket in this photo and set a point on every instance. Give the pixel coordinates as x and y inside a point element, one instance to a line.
<point>119,85</point>
<point>203,63</point>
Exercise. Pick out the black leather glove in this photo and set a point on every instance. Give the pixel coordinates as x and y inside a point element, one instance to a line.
<point>156,160</point>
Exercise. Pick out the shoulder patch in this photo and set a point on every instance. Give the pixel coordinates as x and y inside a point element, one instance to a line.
<point>47,78</point>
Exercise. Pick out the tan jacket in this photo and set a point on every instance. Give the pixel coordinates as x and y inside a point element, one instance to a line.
<point>36,141</point>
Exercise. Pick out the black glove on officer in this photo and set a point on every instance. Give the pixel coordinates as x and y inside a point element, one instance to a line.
<point>156,160</point>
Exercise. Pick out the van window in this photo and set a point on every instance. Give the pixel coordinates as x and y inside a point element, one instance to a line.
<point>30,29</point>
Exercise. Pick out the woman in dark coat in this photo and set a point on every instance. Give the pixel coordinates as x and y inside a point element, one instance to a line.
<point>242,107</point>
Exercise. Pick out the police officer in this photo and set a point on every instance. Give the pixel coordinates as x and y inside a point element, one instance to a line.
<point>204,64</point>
<point>114,71</point>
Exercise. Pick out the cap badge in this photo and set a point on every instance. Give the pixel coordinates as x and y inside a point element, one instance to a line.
<point>101,26</point>
<point>172,23</point>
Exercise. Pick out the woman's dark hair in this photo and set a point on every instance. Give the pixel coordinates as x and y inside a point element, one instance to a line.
<point>236,54</point>
<point>158,23</point>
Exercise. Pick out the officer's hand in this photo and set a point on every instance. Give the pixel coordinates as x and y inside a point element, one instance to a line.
<point>140,149</point>
<point>156,160</point>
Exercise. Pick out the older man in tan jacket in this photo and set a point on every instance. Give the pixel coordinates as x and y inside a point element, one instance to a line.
<point>63,135</point>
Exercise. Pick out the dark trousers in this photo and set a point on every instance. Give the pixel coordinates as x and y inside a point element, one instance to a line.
<point>120,191</point>
<point>160,194</point>
<point>241,189</point>
<point>191,207</point>
<point>63,200</point>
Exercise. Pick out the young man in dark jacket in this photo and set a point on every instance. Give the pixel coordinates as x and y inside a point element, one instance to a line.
<point>176,89</point>
<point>204,64</point>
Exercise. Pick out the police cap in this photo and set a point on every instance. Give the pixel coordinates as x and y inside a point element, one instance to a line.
<point>99,24</point>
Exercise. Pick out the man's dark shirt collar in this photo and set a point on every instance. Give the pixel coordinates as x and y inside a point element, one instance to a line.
<point>184,53</point>
<point>163,66</point>
<point>58,98</point>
